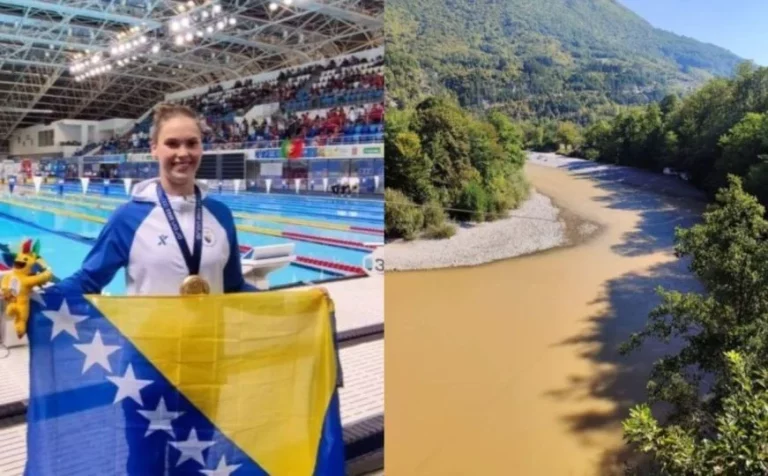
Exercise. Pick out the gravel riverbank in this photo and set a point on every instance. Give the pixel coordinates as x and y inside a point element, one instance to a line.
<point>537,225</point>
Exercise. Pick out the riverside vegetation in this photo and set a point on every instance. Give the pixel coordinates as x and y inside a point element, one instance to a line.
<point>717,384</point>
<point>442,157</point>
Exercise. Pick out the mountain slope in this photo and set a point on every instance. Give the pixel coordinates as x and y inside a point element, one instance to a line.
<point>543,58</point>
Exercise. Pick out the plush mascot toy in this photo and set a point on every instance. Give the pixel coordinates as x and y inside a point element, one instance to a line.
<point>17,285</point>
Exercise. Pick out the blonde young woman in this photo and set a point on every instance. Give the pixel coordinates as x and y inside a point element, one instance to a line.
<point>170,237</point>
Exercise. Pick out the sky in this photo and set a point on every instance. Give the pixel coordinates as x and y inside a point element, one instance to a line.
<point>740,26</point>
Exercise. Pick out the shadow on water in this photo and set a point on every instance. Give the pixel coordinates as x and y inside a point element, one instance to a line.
<point>662,203</point>
<point>622,382</point>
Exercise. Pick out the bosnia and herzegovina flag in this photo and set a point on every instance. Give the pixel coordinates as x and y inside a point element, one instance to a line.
<point>237,384</point>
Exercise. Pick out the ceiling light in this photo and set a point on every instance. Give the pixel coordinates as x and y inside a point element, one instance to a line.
<point>143,39</point>
<point>232,21</point>
<point>189,36</point>
<point>174,25</point>
<point>155,48</point>
<point>216,8</point>
<point>185,22</point>
<point>204,14</point>
<point>179,40</point>
<point>288,2</point>
<point>272,6</point>
<point>220,25</point>
<point>199,33</point>
<point>190,4</point>
<point>209,29</point>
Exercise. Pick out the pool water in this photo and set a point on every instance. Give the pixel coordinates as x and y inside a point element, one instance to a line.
<point>334,210</point>
<point>104,208</point>
<point>66,240</point>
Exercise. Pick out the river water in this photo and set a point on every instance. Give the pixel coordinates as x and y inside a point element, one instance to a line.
<point>512,368</point>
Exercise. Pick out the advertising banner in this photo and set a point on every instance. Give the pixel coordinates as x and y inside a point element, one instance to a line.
<point>364,151</point>
<point>140,158</point>
<point>346,151</point>
<point>104,159</point>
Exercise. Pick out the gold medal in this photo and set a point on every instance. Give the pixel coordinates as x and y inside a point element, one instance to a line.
<point>195,285</point>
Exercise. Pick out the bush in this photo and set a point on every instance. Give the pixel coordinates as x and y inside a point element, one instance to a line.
<point>473,201</point>
<point>519,190</point>
<point>592,154</point>
<point>437,232</point>
<point>402,217</point>
<point>434,215</point>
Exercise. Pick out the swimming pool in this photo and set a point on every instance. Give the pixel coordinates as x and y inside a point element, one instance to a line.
<point>67,226</point>
<point>355,212</point>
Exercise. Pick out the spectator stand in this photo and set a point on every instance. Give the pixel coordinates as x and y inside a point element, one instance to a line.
<point>331,99</point>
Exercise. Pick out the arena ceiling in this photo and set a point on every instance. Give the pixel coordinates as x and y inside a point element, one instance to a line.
<point>96,59</point>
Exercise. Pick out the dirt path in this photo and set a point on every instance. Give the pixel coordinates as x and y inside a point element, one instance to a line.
<point>511,368</point>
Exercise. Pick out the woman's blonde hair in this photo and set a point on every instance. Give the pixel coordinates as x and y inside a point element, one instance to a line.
<point>165,111</point>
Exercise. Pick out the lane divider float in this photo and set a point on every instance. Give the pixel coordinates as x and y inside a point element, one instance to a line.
<point>247,228</point>
<point>316,264</point>
<point>99,201</point>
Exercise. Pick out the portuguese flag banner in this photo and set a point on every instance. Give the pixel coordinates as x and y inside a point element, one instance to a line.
<point>292,148</point>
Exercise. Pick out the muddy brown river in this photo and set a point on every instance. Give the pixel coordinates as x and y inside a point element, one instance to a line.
<point>512,368</point>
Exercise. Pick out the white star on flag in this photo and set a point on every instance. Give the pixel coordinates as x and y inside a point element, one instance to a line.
<point>64,321</point>
<point>192,448</point>
<point>37,296</point>
<point>222,469</point>
<point>160,419</point>
<point>128,386</point>
<point>97,353</point>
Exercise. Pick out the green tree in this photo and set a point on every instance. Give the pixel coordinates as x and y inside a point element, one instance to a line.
<point>756,181</point>
<point>598,142</point>
<point>510,137</point>
<point>728,253</point>
<point>407,166</point>
<point>568,135</point>
<point>741,147</point>
<point>736,444</point>
<point>669,104</point>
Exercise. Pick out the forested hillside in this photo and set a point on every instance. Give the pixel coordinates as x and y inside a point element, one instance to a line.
<point>559,59</point>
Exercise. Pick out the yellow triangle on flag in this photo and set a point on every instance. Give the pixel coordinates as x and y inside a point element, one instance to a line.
<point>260,366</point>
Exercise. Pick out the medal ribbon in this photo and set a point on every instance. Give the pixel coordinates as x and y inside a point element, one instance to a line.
<point>192,259</point>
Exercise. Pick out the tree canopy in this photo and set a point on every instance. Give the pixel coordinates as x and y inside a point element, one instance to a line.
<point>437,153</point>
<point>718,130</point>
<point>717,382</point>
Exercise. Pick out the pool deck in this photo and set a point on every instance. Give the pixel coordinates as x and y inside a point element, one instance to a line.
<point>360,325</point>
